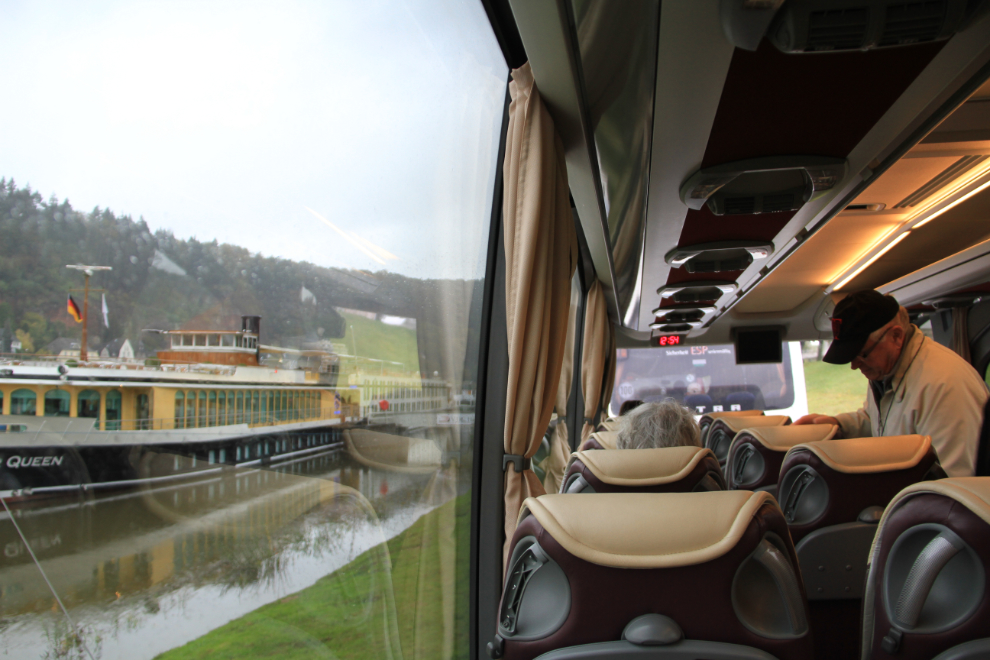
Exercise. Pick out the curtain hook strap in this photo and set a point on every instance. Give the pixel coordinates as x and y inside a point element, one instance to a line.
<point>520,461</point>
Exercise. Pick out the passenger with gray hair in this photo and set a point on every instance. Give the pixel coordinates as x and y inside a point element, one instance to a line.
<point>916,385</point>
<point>655,425</point>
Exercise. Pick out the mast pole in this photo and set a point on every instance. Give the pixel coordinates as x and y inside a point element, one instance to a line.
<point>87,272</point>
<point>83,354</point>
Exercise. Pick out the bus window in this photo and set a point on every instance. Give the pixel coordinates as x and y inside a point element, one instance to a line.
<point>273,207</point>
<point>707,379</point>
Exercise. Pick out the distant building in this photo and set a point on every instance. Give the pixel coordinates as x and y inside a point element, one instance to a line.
<point>118,348</point>
<point>62,347</point>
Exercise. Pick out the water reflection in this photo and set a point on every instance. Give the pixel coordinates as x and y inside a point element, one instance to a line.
<point>147,570</point>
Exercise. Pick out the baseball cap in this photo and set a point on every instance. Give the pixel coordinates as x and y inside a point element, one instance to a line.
<point>854,318</point>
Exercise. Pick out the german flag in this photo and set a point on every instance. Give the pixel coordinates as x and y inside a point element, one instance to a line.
<point>74,310</point>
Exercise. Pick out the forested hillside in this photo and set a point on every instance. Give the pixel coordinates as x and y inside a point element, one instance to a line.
<point>165,282</point>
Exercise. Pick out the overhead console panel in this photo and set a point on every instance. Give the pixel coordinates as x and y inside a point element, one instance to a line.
<point>697,292</point>
<point>718,257</point>
<point>816,26</point>
<point>771,184</point>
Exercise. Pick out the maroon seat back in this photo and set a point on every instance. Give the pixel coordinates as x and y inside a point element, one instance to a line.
<point>666,470</point>
<point>928,590</point>
<point>832,482</point>
<point>719,564</point>
<point>832,493</point>
<point>706,420</point>
<point>756,454</point>
<point>724,429</point>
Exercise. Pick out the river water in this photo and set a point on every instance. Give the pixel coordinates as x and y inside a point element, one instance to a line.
<point>147,570</point>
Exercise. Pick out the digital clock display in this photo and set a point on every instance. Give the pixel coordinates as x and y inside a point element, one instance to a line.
<point>668,340</point>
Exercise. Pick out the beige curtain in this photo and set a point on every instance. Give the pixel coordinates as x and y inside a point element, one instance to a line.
<point>609,370</point>
<point>960,332</point>
<point>560,449</point>
<point>540,256</point>
<point>594,355</point>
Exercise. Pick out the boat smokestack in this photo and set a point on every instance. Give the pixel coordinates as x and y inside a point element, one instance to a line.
<point>251,324</point>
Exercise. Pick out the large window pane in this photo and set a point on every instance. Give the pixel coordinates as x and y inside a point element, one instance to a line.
<point>707,379</point>
<point>57,403</point>
<point>293,201</point>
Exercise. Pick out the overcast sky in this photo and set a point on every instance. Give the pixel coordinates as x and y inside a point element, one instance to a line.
<point>355,134</point>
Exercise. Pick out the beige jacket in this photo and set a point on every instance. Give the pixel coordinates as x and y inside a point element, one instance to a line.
<point>933,392</point>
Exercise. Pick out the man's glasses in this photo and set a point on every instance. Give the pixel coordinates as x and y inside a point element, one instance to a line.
<point>865,354</point>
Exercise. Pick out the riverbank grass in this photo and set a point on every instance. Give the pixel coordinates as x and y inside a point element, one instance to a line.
<point>418,609</point>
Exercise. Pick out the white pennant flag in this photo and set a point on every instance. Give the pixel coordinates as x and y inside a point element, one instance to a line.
<point>106,319</point>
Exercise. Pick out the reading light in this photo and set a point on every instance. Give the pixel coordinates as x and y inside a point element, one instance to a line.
<point>869,261</point>
<point>919,219</point>
<point>952,205</point>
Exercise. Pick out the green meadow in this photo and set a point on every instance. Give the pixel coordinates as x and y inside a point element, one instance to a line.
<point>833,388</point>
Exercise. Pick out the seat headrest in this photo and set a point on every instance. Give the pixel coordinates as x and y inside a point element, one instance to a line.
<point>736,424</point>
<point>867,455</point>
<point>972,492</point>
<point>642,467</point>
<point>611,424</point>
<point>606,438</point>
<point>782,438</point>
<point>633,530</point>
<point>712,416</point>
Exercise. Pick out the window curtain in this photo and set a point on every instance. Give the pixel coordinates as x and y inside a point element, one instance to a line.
<point>609,372</point>
<point>560,450</point>
<point>960,332</point>
<point>540,257</point>
<point>594,356</point>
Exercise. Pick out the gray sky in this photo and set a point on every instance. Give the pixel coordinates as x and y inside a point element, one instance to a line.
<point>263,124</point>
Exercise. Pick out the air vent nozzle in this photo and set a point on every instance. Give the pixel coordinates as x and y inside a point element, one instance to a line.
<point>718,257</point>
<point>771,184</point>
<point>673,328</point>
<point>697,292</point>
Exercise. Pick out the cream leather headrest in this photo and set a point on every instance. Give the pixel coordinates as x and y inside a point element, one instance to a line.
<point>864,455</point>
<point>642,467</point>
<point>737,424</point>
<point>972,492</point>
<point>611,424</point>
<point>782,438</point>
<point>606,438</point>
<point>732,413</point>
<point>647,530</point>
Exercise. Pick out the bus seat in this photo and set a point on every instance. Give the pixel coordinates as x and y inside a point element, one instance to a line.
<point>664,470</point>
<point>705,574</point>
<point>611,424</point>
<point>600,440</point>
<point>757,453</point>
<point>705,422</point>
<point>698,403</point>
<point>745,401</point>
<point>724,429</point>
<point>832,493</point>
<point>928,590</point>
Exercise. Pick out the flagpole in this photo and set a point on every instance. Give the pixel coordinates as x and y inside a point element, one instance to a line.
<point>87,272</point>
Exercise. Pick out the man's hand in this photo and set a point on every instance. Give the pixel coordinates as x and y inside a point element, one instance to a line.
<point>815,418</point>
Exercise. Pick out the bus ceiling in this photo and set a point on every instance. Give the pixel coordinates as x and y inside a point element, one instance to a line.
<point>761,173</point>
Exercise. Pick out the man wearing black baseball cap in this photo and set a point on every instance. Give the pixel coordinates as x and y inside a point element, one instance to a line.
<point>916,384</point>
